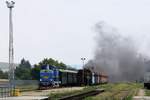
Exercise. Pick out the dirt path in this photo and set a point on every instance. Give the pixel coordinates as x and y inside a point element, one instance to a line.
<point>47,92</point>
<point>141,92</point>
<point>141,95</point>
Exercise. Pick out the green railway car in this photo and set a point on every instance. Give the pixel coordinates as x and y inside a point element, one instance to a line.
<point>68,77</point>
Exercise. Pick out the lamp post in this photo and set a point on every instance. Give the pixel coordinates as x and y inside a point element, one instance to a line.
<point>10,5</point>
<point>83,59</point>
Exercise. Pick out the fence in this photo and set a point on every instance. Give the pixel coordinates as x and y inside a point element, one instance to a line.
<point>25,85</point>
<point>6,91</point>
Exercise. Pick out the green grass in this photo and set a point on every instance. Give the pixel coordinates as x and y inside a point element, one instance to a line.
<point>119,89</point>
<point>147,92</point>
<point>127,89</point>
<point>56,96</point>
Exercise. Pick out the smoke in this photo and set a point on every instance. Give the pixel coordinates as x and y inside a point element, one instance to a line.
<point>116,56</point>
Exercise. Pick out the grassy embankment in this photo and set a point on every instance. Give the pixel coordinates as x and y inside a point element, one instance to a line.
<point>147,92</point>
<point>56,96</point>
<point>112,91</point>
<point>117,91</point>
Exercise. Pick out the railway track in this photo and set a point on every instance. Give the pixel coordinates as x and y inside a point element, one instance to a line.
<point>120,95</point>
<point>82,95</point>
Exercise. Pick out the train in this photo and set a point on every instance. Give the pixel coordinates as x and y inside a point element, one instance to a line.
<point>51,76</point>
<point>147,80</point>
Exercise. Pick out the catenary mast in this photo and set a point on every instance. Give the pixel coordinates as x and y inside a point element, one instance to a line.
<point>10,5</point>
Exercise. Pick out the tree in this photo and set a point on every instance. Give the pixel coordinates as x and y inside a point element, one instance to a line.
<point>23,71</point>
<point>37,67</point>
<point>3,75</point>
<point>53,62</point>
<point>36,72</point>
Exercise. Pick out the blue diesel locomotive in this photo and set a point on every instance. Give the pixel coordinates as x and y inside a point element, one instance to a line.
<point>49,76</point>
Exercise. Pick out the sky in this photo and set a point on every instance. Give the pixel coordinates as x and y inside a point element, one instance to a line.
<point>64,29</point>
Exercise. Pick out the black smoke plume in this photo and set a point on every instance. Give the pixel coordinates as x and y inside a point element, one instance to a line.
<point>116,56</point>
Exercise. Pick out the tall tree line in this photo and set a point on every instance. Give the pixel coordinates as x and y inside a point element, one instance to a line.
<point>24,71</point>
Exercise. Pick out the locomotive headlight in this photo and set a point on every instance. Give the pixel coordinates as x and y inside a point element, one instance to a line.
<point>40,79</point>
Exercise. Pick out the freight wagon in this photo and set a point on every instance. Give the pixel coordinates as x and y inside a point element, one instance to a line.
<point>84,77</point>
<point>103,78</point>
<point>67,77</point>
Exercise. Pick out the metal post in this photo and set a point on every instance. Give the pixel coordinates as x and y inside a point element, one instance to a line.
<point>10,5</point>
<point>83,59</point>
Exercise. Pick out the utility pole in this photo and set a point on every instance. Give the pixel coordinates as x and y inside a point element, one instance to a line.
<point>83,59</point>
<point>10,5</point>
